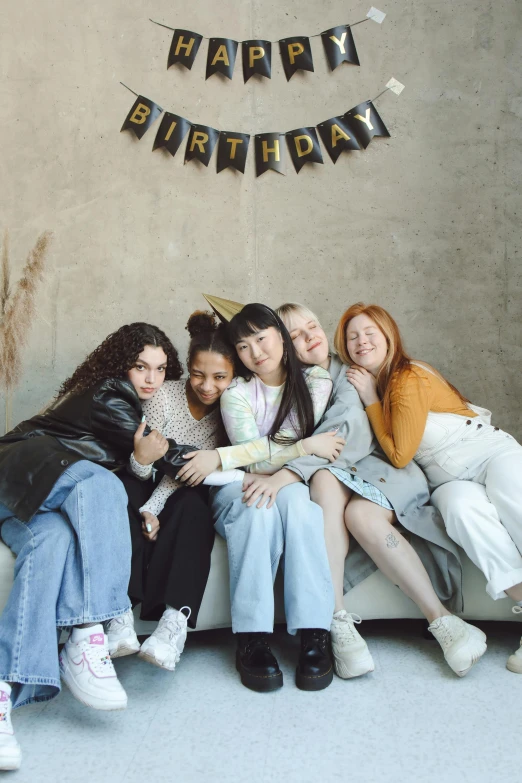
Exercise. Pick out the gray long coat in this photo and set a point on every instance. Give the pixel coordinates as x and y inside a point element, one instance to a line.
<point>406,489</point>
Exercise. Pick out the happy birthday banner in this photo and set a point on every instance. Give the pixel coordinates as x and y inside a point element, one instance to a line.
<point>352,130</point>
<point>296,52</point>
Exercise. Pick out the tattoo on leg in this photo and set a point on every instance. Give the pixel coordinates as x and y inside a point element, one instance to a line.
<point>391,541</point>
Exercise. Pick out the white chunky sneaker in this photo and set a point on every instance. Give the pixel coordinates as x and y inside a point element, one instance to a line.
<point>164,646</point>
<point>514,662</point>
<point>122,639</point>
<point>462,643</point>
<point>351,655</point>
<point>88,672</point>
<point>10,753</point>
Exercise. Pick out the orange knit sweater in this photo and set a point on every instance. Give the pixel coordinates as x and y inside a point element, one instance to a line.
<point>413,395</point>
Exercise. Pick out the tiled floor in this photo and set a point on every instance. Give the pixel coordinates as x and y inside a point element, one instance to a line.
<point>411,720</point>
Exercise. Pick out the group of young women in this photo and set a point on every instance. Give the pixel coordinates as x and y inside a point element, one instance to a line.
<point>323,462</point>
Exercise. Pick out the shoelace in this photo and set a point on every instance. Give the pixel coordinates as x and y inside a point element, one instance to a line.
<point>347,631</point>
<point>170,626</point>
<point>516,609</point>
<point>318,637</point>
<point>255,642</point>
<point>100,660</point>
<point>122,621</point>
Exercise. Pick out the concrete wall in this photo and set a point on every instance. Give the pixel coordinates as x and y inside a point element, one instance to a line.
<point>424,223</point>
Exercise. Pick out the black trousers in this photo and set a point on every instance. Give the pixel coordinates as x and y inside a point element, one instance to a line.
<point>173,569</point>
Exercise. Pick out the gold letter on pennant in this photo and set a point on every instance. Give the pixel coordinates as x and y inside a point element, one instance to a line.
<point>221,56</point>
<point>200,139</point>
<point>366,119</point>
<point>187,46</point>
<point>340,43</point>
<point>141,112</point>
<point>298,145</point>
<point>270,151</point>
<point>170,130</point>
<point>234,143</point>
<point>256,53</point>
<point>294,50</point>
<point>338,134</point>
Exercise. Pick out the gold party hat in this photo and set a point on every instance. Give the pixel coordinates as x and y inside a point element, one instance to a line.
<point>225,309</point>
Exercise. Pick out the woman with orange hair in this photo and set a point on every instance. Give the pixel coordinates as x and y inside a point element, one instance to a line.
<point>473,467</point>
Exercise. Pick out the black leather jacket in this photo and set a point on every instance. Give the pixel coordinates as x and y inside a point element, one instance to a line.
<point>97,425</point>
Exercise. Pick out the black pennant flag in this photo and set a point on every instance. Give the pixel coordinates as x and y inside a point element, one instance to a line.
<point>171,133</point>
<point>184,48</point>
<point>141,116</point>
<point>257,58</point>
<point>337,136</point>
<point>269,153</point>
<point>232,151</point>
<point>304,147</point>
<point>296,55</point>
<point>339,46</point>
<point>201,143</point>
<point>221,56</point>
<point>365,122</point>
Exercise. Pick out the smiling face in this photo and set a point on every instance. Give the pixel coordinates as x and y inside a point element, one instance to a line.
<point>366,343</point>
<point>148,372</point>
<point>210,374</point>
<point>262,354</point>
<point>310,341</point>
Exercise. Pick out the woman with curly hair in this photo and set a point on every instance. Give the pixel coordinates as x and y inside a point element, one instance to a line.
<point>63,513</point>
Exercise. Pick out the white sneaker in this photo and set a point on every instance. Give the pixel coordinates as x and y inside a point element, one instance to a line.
<point>121,636</point>
<point>514,662</point>
<point>352,657</point>
<point>10,753</point>
<point>463,644</point>
<point>164,646</point>
<point>88,672</point>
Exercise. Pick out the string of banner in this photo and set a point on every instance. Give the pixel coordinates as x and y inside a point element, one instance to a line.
<point>296,52</point>
<point>352,130</point>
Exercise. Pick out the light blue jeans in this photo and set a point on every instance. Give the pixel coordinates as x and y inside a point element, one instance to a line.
<point>257,539</point>
<point>72,567</point>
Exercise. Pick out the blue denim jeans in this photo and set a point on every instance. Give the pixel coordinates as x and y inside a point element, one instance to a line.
<point>257,539</point>
<point>72,567</point>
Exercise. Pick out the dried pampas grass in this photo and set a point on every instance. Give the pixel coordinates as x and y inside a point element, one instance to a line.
<point>17,309</point>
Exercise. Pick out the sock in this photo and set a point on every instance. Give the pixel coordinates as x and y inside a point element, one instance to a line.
<point>339,613</point>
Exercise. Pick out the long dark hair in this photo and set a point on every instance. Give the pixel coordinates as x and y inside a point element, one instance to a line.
<point>296,401</point>
<point>118,353</point>
<point>207,335</point>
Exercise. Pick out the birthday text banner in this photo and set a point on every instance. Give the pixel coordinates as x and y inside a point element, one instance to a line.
<point>352,130</point>
<point>256,54</point>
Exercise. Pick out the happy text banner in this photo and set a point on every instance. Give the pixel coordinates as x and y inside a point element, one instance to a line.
<point>353,130</point>
<point>295,51</point>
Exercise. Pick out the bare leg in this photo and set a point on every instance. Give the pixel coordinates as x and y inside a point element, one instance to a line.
<point>515,592</point>
<point>329,493</point>
<point>373,528</point>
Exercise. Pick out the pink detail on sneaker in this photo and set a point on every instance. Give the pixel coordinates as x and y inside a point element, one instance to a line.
<point>96,638</point>
<point>4,696</point>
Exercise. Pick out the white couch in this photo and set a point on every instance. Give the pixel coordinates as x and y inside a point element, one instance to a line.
<point>373,599</point>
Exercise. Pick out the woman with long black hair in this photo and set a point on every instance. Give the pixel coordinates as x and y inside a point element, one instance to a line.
<point>277,399</point>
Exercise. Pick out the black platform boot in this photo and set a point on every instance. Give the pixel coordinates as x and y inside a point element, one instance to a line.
<point>256,662</point>
<point>314,669</point>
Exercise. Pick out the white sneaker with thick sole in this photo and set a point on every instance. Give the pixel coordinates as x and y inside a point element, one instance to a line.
<point>351,655</point>
<point>122,639</point>
<point>463,644</point>
<point>514,662</point>
<point>164,646</point>
<point>10,753</point>
<point>88,672</point>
